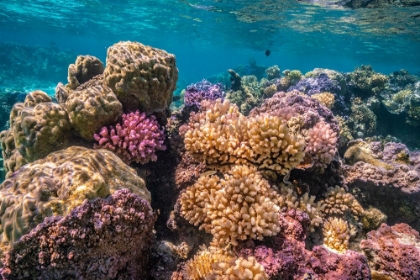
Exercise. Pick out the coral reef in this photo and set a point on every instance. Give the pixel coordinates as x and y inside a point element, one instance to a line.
<point>273,72</point>
<point>364,82</point>
<point>382,171</point>
<point>241,205</point>
<point>393,252</point>
<point>57,184</point>
<point>100,239</point>
<point>85,68</point>
<point>142,77</point>
<point>325,98</point>
<point>204,90</point>
<point>311,86</point>
<point>364,119</point>
<point>290,260</point>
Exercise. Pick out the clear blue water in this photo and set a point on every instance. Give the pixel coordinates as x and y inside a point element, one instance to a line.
<point>208,37</point>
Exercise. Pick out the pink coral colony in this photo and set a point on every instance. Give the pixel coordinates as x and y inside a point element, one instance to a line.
<point>135,140</point>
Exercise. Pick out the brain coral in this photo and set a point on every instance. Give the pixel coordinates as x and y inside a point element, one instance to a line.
<point>100,239</point>
<point>58,183</point>
<point>142,77</point>
<point>92,106</point>
<point>85,68</point>
<point>220,134</point>
<point>39,126</point>
<point>240,206</point>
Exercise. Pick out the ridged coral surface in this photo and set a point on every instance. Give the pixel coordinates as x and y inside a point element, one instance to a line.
<point>92,106</point>
<point>58,183</point>
<point>100,239</point>
<point>241,205</point>
<point>39,126</point>
<point>142,77</point>
<point>85,68</point>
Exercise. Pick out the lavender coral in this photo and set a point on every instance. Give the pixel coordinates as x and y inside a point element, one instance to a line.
<point>204,90</point>
<point>100,239</point>
<point>136,139</point>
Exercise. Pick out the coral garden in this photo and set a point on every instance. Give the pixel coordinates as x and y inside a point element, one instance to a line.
<point>280,175</point>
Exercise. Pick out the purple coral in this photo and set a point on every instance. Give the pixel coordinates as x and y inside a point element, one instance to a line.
<point>100,239</point>
<point>204,90</point>
<point>136,139</point>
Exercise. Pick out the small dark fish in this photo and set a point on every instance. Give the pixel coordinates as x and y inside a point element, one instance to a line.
<point>176,98</point>
<point>267,53</point>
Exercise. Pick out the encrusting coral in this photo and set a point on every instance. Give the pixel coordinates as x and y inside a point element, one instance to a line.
<point>220,134</point>
<point>336,234</point>
<point>241,205</point>
<point>103,238</point>
<point>142,77</point>
<point>57,184</point>
<point>136,139</point>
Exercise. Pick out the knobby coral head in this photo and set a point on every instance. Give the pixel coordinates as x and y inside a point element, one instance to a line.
<point>136,139</point>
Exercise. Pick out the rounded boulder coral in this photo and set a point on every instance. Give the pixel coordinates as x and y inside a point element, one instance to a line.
<point>142,77</point>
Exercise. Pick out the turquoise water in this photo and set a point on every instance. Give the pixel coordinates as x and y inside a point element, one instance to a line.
<point>208,37</point>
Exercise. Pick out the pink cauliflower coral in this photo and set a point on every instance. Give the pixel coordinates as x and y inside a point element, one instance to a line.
<point>136,139</point>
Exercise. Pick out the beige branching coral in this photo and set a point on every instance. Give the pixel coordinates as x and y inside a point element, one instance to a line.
<point>339,202</point>
<point>321,143</point>
<point>306,203</point>
<point>336,234</point>
<point>222,135</point>
<point>201,266</point>
<point>239,269</point>
<point>218,264</point>
<point>325,98</point>
<point>238,207</point>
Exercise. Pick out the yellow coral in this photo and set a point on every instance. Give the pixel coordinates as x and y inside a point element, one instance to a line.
<point>217,264</point>
<point>338,201</point>
<point>238,207</point>
<point>336,234</point>
<point>201,266</point>
<point>325,98</point>
<point>239,269</point>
